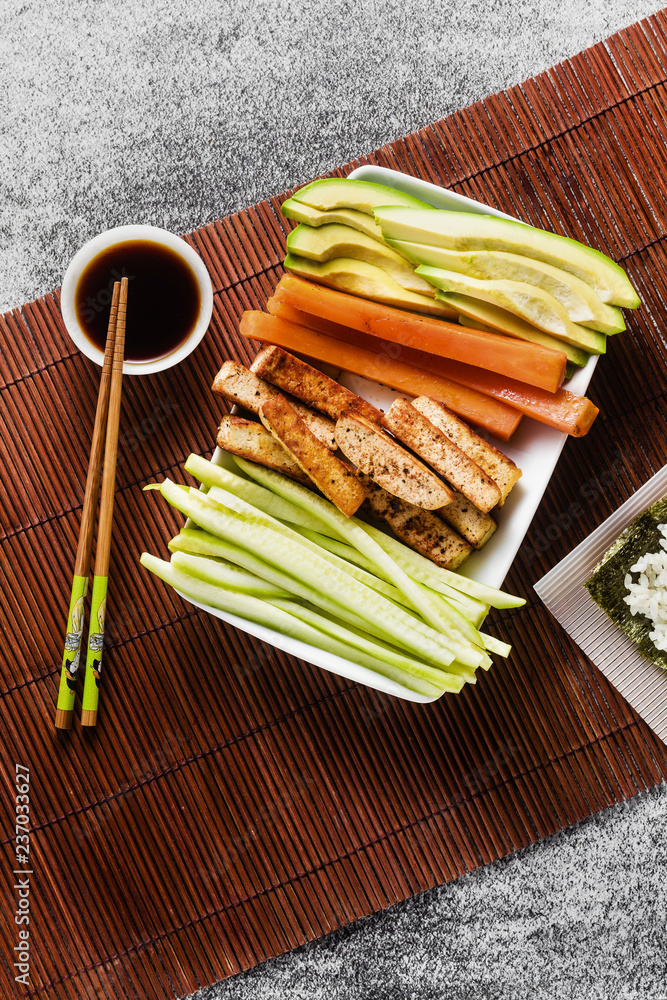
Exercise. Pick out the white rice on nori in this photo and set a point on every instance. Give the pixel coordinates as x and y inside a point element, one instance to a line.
<point>648,595</point>
<point>628,570</point>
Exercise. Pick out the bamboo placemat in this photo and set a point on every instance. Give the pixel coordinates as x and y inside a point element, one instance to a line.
<point>234,803</point>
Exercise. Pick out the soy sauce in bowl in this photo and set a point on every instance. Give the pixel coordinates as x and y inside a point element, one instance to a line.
<point>164,298</point>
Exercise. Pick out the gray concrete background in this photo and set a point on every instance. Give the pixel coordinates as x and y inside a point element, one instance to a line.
<point>176,113</point>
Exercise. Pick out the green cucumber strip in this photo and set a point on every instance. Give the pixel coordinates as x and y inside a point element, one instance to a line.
<point>315,571</point>
<point>279,620</point>
<point>202,543</point>
<point>495,645</point>
<point>399,552</point>
<point>475,611</point>
<point>429,573</point>
<point>457,621</point>
<point>337,630</point>
<point>357,533</point>
<point>341,549</point>
<point>450,637</point>
<point>234,578</point>
<point>213,475</point>
<point>235,503</point>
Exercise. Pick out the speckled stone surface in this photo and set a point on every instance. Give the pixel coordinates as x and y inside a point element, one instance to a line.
<point>176,113</point>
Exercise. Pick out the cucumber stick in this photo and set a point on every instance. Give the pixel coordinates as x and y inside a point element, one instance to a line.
<point>227,499</point>
<point>337,630</point>
<point>435,576</point>
<point>456,621</point>
<point>281,621</point>
<point>209,571</point>
<point>312,526</point>
<point>475,611</point>
<point>240,580</point>
<point>269,540</point>
<point>357,533</point>
<point>214,475</point>
<point>202,543</point>
<point>313,570</point>
<point>400,553</point>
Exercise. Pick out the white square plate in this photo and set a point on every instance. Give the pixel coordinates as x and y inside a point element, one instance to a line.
<point>562,590</point>
<point>535,449</point>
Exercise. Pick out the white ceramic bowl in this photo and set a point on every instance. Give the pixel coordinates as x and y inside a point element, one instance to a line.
<point>122,234</point>
<point>535,448</point>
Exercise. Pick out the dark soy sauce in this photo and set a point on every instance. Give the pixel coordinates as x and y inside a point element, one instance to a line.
<point>163,298</point>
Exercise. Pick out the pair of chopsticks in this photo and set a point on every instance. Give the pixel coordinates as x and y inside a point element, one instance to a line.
<point>105,430</point>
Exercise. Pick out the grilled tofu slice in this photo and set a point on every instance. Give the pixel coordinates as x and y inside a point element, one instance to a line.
<point>472,524</point>
<point>332,477</point>
<point>422,530</point>
<point>248,439</point>
<point>239,385</point>
<point>309,385</point>
<point>499,467</point>
<point>416,431</point>
<point>382,458</point>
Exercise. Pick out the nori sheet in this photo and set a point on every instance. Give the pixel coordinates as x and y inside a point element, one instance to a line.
<point>607,584</point>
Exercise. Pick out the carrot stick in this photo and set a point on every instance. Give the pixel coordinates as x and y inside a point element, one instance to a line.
<point>564,410</point>
<point>382,366</point>
<point>518,359</point>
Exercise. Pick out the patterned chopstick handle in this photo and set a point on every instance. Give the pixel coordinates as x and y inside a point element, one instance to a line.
<point>71,653</point>
<point>95,649</point>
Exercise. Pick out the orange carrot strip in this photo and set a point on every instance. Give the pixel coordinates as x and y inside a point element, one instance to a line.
<point>518,359</point>
<point>496,417</point>
<point>564,410</point>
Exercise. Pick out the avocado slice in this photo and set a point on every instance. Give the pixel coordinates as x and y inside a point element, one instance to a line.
<point>300,212</point>
<point>526,301</point>
<point>474,324</point>
<point>366,280</point>
<point>362,196</point>
<point>581,303</point>
<point>328,242</point>
<point>477,313</point>
<point>465,231</point>
<point>607,584</point>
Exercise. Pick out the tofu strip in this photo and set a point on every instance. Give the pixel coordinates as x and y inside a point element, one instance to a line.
<point>499,467</point>
<point>472,524</point>
<point>309,385</point>
<point>250,440</point>
<point>422,530</point>
<point>416,431</point>
<point>389,464</point>
<point>241,386</point>
<point>332,477</point>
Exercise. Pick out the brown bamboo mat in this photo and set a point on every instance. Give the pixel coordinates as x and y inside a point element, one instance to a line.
<point>234,803</point>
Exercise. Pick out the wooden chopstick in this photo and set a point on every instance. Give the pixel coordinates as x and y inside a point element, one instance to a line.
<point>75,618</point>
<point>99,598</point>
